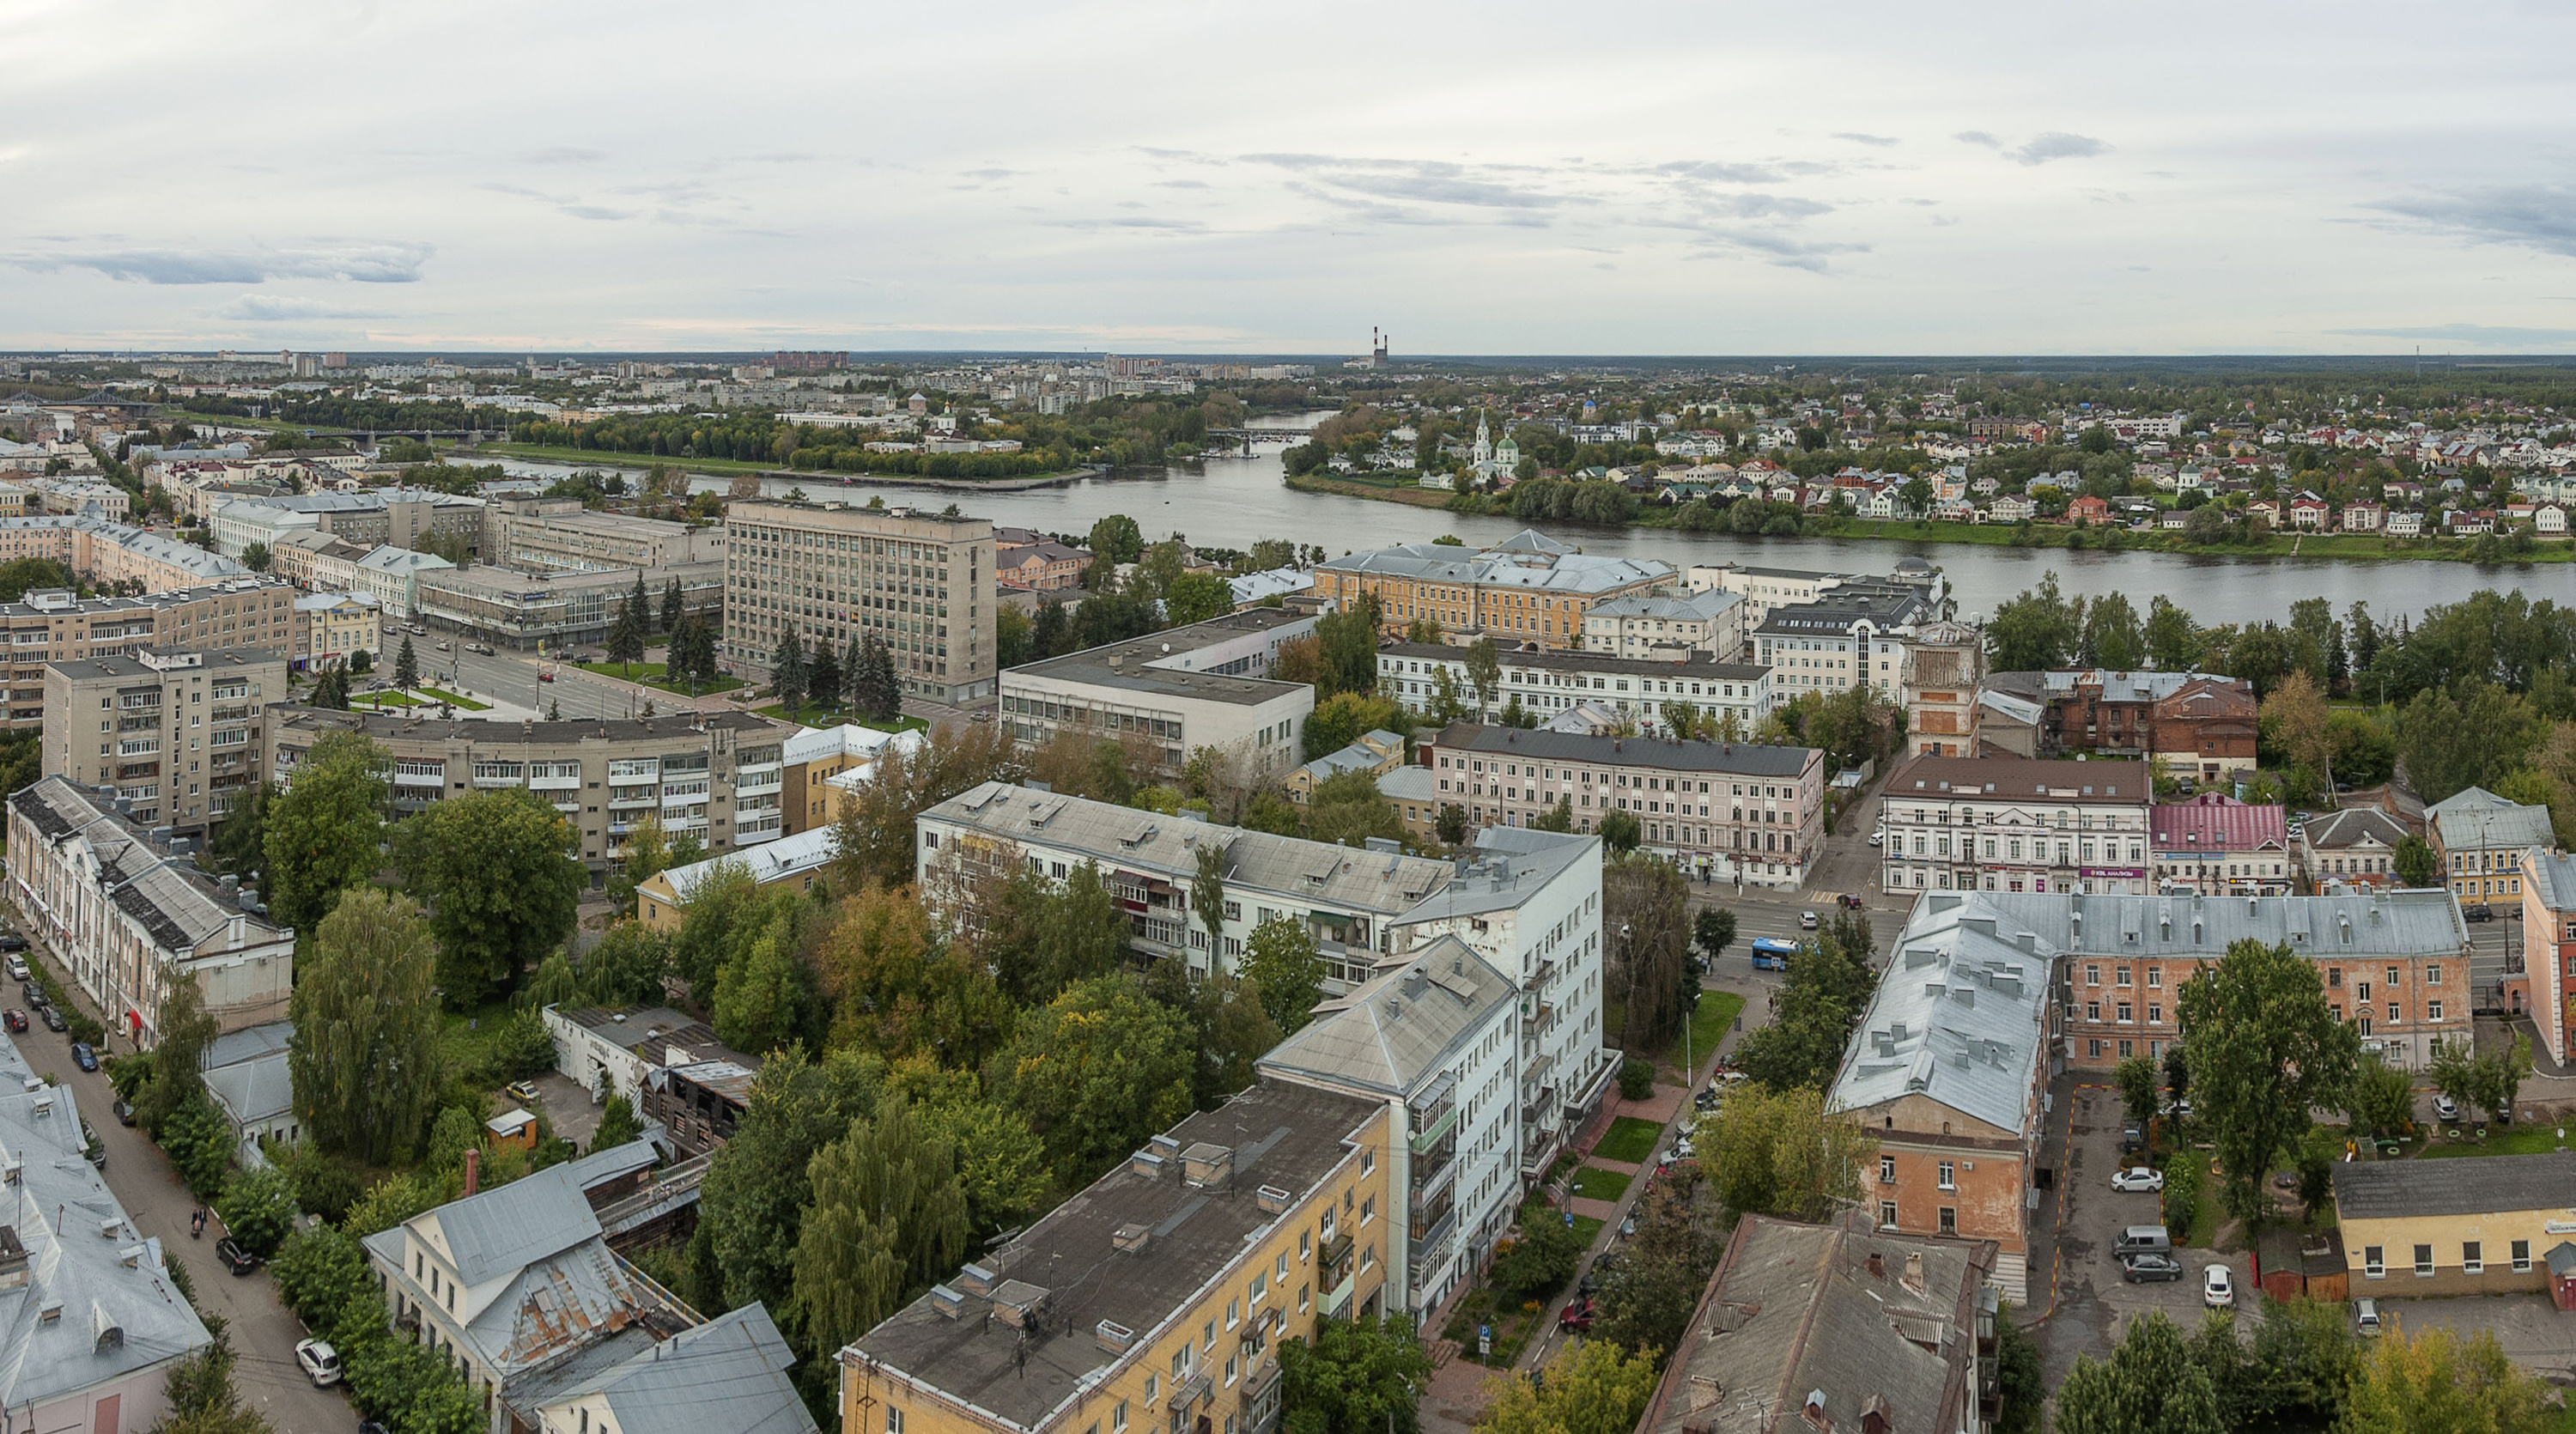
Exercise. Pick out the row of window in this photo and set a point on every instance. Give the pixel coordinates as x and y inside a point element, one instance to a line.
<point>2473,1259</point>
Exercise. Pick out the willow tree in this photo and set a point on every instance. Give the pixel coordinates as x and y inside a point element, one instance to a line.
<point>364,1056</point>
<point>888,1217</point>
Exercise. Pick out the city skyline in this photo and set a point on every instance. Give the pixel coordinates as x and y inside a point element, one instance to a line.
<point>1656,181</point>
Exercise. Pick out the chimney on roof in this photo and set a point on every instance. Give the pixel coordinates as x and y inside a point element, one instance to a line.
<point>473,1168</point>
<point>1914,1271</point>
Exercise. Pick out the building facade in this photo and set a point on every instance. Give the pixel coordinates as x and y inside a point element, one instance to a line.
<point>2215,845</point>
<point>1735,811</point>
<point>127,912</point>
<point>1547,684</point>
<point>2482,842</point>
<point>829,572</point>
<point>2549,950</point>
<point>50,625</point>
<point>110,554</point>
<point>1999,824</point>
<point>1174,692</point>
<point>2438,1228</point>
<point>556,535</point>
<point>1851,636</point>
<point>1945,661</point>
<point>553,611</point>
<point>1528,588</point>
<point>1670,626</point>
<point>331,628</point>
<point>177,733</point>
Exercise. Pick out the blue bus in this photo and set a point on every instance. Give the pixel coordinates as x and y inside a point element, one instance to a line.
<point>1770,953</point>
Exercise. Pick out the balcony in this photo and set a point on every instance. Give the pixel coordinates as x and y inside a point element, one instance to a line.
<point>1431,1135</point>
<point>1430,1239</point>
<point>632,798</point>
<point>570,783</point>
<point>1337,1301</point>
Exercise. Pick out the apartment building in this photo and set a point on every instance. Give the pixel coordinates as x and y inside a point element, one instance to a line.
<point>715,776</point>
<point>1549,683</point>
<point>2548,985</point>
<point>1174,692</point>
<point>111,554</point>
<point>1527,588</point>
<point>2482,842</point>
<point>330,628</point>
<point>1674,626</point>
<point>1763,588</point>
<point>1851,636</point>
<point>123,907</point>
<point>1739,811</point>
<point>50,625</point>
<point>551,535</point>
<point>177,734</point>
<point>509,608</point>
<point>374,517</point>
<point>392,577</point>
<point>1948,1070</point>
<point>1345,897</point>
<point>828,572</point>
<point>2000,824</point>
<point>1168,1285</point>
<point>1529,903</point>
<point>2216,845</point>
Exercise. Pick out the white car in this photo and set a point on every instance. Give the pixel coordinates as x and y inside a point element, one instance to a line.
<point>2218,1288</point>
<point>1878,838</point>
<point>319,1361</point>
<point>2138,1178</point>
<point>2445,1109</point>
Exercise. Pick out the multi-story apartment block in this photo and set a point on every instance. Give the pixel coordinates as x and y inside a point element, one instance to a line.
<point>330,628</point>
<point>375,517</point>
<point>552,535</point>
<point>2548,985</point>
<point>1548,684</point>
<point>176,732</point>
<point>2216,845</point>
<point>1763,588</point>
<point>828,572</point>
<point>1345,897</point>
<point>1169,1285</point>
<point>509,608</point>
<point>1528,588</point>
<point>50,625</point>
<point>1709,622</point>
<point>1174,692</point>
<point>1851,636</point>
<point>126,910</point>
<point>1740,811</point>
<point>716,776</point>
<point>111,554</point>
<point>1949,1071</point>
<point>392,577</point>
<point>1999,824</point>
<point>1529,903</point>
<point>2482,841</point>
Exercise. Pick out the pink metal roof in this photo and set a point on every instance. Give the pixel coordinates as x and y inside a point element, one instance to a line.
<point>2215,822</point>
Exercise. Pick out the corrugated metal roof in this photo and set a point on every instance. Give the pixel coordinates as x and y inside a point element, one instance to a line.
<point>2214,821</point>
<point>1959,1018</point>
<point>2479,820</point>
<point>1402,1026</point>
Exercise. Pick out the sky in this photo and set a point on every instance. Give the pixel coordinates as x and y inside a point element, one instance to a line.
<point>1143,177</point>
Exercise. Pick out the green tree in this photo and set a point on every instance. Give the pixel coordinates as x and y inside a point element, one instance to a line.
<point>1281,955</point>
<point>618,1124</point>
<point>1096,1071</point>
<point>1207,897</point>
<point>1829,982</point>
<point>1354,1377</point>
<point>501,892</point>
<point>1451,824</point>
<point>200,1143</point>
<point>888,1218</point>
<point>1344,718</point>
<point>763,1000</point>
<point>647,855</point>
<point>673,609</point>
<point>1196,597</point>
<point>1778,1153</point>
<point>1620,833</point>
<point>787,670</point>
<point>2113,637</point>
<point>1713,930</point>
<point>627,631</point>
<point>1117,539</point>
<point>2035,631</point>
<point>2150,1385</point>
<point>2136,1078</point>
<point>823,676</point>
<point>2435,1382</point>
<point>1484,668</point>
<point>2383,1099</point>
<point>255,557</point>
<point>2414,862</point>
<point>1646,1298</point>
<point>1592,1388</point>
<point>2264,1049</point>
<point>186,1030</point>
<point>2173,641</point>
<point>323,831</point>
<point>406,667</point>
<point>258,1209</point>
<point>364,1059</point>
<point>238,843</point>
<point>1348,640</point>
<point>751,1208</point>
<point>2022,1383</point>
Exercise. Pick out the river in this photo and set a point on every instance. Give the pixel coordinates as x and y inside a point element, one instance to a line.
<point>1232,502</point>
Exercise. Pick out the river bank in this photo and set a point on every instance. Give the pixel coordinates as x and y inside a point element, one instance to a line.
<point>727,468</point>
<point>2359,547</point>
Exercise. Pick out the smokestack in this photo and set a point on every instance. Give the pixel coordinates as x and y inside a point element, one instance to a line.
<point>473,1169</point>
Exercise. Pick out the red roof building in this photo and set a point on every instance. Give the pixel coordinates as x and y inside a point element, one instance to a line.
<point>2215,845</point>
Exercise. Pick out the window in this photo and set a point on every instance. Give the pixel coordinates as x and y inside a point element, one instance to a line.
<point>1887,1214</point>
<point>894,1420</point>
<point>1118,1416</point>
<point>1368,1210</point>
<point>2473,1257</point>
<point>1949,1173</point>
<point>1301,1298</point>
<point>1949,1219</point>
<point>1887,1169</point>
<point>2521,1257</point>
<point>2155,977</point>
<point>2373,1261</point>
<point>2122,973</point>
<point>2394,975</point>
<point>2092,1010</point>
<point>1233,1313</point>
<point>2423,1261</point>
<point>2092,974</point>
<point>1305,1245</point>
<point>2432,1010</point>
<point>2433,974</point>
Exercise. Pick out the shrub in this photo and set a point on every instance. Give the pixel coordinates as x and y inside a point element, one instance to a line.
<point>325,1185</point>
<point>258,1207</point>
<point>2182,1195</point>
<point>1636,1079</point>
<point>1540,1262</point>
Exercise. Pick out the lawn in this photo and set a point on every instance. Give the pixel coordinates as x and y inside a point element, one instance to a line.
<point>465,1037</point>
<point>1708,1025</point>
<point>1588,1229</point>
<point>1628,1141</point>
<point>826,718</point>
<point>383,699</point>
<point>456,698</point>
<point>2535,1139</point>
<point>656,674</point>
<point>1594,1183</point>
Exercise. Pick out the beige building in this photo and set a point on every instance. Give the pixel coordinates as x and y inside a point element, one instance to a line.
<point>1945,662</point>
<point>331,627</point>
<point>1671,627</point>
<point>556,610</point>
<point>1528,588</point>
<point>548,535</point>
<point>716,777</point>
<point>828,572</point>
<point>50,625</point>
<point>176,732</point>
<point>2415,1228</point>
<point>1204,685</point>
<point>108,553</point>
<point>125,910</point>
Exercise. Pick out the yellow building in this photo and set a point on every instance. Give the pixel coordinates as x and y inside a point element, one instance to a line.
<point>1376,753</point>
<point>331,627</point>
<point>1157,1299</point>
<point>1529,588</point>
<point>2454,1227</point>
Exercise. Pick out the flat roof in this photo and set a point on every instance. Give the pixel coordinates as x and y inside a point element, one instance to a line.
<point>1699,665</point>
<point>1131,666</point>
<point>2492,1185</point>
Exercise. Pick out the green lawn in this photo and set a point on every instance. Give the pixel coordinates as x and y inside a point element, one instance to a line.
<point>2539,1138</point>
<point>656,674</point>
<point>457,698</point>
<point>383,699</point>
<point>1594,1183</point>
<point>465,1037</point>
<point>1717,1011</point>
<point>826,717</point>
<point>1628,1141</point>
<point>1588,1229</point>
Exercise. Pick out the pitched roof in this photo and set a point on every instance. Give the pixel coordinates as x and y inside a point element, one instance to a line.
<point>1748,759</point>
<point>1387,1035</point>
<point>509,1227</point>
<point>2351,827</point>
<point>1959,1019</point>
<point>2477,819</point>
<point>1527,559</point>
<point>730,1371</point>
<point>2214,821</point>
<point>2497,1184</point>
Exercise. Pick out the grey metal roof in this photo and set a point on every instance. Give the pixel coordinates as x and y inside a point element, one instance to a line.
<point>729,1373</point>
<point>2492,1185</point>
<point>2394,923</point>
<point>1528,559</point>
<point>1690,607</point>
<point>1509,864</point>
<point>2006,778</point>
<point>1399,1029</point>
<point>1837,611</point>
<point>2553,879</point>
<point>1742,759</point>
<point>253,1090</point>
<point>1959,1019</point>
<point>2352,827</point>
<point>179,906</point>
<point>1158,664</point>
<point>1700,665</point>
<point>2479,820</point>
<point>1352,878</point>
<point>809,850</point>
<point>509,1227</point>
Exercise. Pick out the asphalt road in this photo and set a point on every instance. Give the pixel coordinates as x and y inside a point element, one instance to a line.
<point>264,1332</point>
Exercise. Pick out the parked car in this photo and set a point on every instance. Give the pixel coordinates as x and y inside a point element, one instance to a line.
<point>2446,1110</point>
<point>524,1092</point>
<point>2138,1178</point>
<point>1878,838</point>
<point>2147,1266</point>
<point>483,649</point>
<point>83,1056</point>
<point>2365,1318</point>
<point>2218,1288</point>
<point>14,1019</point>
<point>320,1362</point>
<point>12,941</point>
<point>18,969</point>
<point>53,1019</point>
<point>1806,921</point>
<point>235,1258</point>
<point>1576,1318</point>
<point>124,1111</point>
<point>93,1149</point>
<point>2479,912</point>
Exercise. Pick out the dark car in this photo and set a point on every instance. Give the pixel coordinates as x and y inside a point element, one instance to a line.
<point>124,1111</point>
<point>53,1019</point>
<point>13,942</point>
<point>14,1019</point>
<point>235,1258</point>
<point>2479,912</point>
<point>2147,1265</point>
<point>34,993</point>
<point>369,1426</point>
<point>83,1056</point>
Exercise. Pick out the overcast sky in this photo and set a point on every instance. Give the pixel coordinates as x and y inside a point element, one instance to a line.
<point>1141,177</point>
